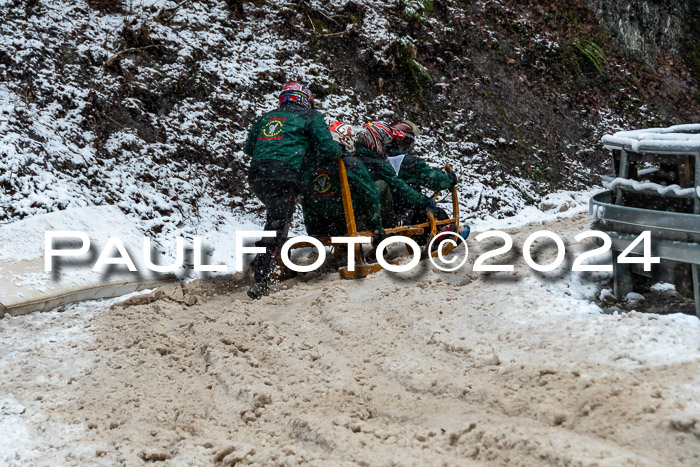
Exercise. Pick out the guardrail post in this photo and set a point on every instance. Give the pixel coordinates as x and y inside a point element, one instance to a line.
<point>696,288</point>
<point>697,184</point>
<point>695,267</point>
<point>622,278</point>
<point>622,275</point>
<point>623,173</point>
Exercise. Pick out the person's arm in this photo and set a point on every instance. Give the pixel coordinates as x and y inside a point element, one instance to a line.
<point>324,143</point>
<point>400,189</point>
<point>252,138</point>
<point>416,172</point>
<point>364,190</point>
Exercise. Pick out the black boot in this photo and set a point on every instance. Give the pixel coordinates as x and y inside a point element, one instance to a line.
<point>258,290</point>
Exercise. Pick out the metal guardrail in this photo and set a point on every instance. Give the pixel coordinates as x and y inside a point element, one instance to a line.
<point>671,250</point>
<point>675,235</point>
<point>608,217</point>
<point>601,207</point>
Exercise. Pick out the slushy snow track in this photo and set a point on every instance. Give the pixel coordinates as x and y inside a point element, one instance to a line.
<point>437,368</point>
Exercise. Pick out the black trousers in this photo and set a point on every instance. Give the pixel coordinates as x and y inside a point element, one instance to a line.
<point>279,199</point>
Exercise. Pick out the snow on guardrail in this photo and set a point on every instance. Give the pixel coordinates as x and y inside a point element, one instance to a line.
<point>678,138</point>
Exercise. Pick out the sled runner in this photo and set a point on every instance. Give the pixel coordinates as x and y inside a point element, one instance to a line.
<point>364,263</point>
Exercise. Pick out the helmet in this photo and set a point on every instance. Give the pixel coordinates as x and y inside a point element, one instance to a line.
<point>295,92</point>
<point>406,126</point>
<point>410,129</point>
<point>342,133</point>
<point>378,136</point>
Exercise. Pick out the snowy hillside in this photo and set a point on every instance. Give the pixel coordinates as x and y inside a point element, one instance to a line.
<point>145,104</point>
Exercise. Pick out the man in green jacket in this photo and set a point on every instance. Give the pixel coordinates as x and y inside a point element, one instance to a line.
<point>321,198</point>
<point>322,202</point>
<point>417,173</point>
<point>279,142</point>
<point>411,168</point>
<point>372,145</point>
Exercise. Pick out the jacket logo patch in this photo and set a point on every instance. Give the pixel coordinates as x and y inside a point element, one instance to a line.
<point>322,184</point>
<point>273,128</point>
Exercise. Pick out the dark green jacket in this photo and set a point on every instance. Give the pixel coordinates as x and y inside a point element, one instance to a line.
<point>380,169</point>
<point>418,174</point>
<point>322,203</point>
<point>279,141</point>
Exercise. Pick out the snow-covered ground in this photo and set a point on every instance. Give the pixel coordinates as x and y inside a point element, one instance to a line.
<point>435,367</point>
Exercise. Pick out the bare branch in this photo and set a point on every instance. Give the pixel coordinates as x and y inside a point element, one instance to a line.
<point>114,57</point>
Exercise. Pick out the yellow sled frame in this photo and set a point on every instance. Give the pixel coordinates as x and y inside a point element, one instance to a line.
<point>362,266</point>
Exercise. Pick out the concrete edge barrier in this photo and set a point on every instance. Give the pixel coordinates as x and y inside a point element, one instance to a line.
<point>93,292</point>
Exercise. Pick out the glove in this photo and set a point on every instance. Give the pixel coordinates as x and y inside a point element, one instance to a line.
<point>453,177</point>
<point>432,206</point>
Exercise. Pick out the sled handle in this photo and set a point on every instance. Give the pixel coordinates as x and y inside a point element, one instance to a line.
<point>433,225</point>
<point>347,208</point>
<point>455,200</point>
<point>347,200</point>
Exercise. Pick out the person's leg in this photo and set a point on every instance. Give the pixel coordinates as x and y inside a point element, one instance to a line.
<point>387,204</point>
<point>280,209</point>
<point>280,202</point>
<point>422,216</point>
<point>442,215</point>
